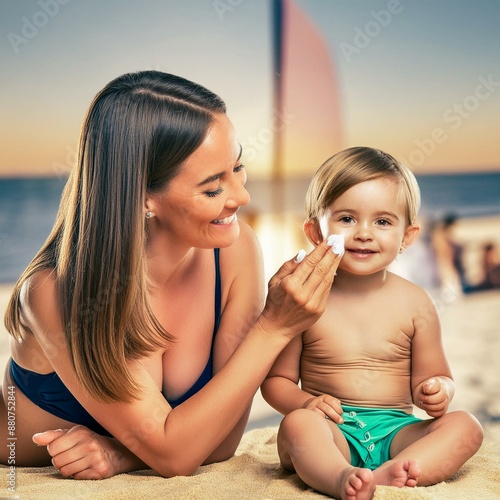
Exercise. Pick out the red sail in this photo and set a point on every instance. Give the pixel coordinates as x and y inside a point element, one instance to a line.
<point>306,94</point>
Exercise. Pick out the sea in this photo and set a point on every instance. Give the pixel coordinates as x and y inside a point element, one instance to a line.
<point>28,207</point>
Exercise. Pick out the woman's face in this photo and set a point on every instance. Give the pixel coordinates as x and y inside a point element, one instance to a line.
<point>198,208</point>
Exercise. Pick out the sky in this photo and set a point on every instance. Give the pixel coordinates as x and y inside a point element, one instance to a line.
<point>417,78</point>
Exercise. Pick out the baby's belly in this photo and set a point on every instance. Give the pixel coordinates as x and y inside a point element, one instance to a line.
<point>370,386</point>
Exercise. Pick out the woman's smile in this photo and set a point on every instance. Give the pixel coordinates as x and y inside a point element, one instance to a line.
<point>226,221</point>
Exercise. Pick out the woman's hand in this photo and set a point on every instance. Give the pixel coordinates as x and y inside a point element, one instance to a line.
<point>326,405</point>
<point>298,292</point>
<point>82,454</point>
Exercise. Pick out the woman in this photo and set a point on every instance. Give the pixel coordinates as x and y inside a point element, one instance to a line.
<point>142,317</point>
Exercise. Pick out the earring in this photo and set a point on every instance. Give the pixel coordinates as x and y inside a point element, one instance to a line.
<point>149,215</point>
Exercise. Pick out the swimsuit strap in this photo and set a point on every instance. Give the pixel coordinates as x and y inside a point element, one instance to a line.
<point>207,373</point>
<point>218,294</point>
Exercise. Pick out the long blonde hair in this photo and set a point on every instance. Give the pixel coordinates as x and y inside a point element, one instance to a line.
<point>137,132</point>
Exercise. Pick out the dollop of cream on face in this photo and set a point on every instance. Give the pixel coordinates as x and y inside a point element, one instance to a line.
<point>336,241</point>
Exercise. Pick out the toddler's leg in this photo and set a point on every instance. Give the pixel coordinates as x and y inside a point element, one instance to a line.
<point>439,446</point>
<point>315,448</point>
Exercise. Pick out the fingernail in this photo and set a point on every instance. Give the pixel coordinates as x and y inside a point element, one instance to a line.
<point>300,256</point>
<point>336,241</point>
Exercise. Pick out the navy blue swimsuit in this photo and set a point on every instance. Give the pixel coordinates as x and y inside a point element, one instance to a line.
<point>49,393</point>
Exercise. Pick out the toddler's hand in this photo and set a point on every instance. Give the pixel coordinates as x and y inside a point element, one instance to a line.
<point>434,397</point>
<point>326,405</point>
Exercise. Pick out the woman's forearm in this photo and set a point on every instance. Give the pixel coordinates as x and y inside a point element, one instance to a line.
<point>228,447</point>
<point>202,423</point>
<point>123,459</point>
<point>208,426</point>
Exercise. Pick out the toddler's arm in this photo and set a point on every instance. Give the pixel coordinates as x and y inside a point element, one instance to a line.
<point>280,389</point>
<point>431,379</point>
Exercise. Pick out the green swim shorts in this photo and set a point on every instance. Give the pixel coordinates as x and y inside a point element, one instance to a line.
<point>370,431</point>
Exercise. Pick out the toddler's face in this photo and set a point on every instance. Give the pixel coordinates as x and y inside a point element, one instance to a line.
<point>372,217</point>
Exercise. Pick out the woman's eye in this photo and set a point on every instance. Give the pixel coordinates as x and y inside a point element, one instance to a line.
<point>212,194</point>
<point>239,167</point>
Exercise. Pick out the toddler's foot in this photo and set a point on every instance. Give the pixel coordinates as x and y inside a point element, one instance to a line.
<point>398,473</point>
<point>356,484</point>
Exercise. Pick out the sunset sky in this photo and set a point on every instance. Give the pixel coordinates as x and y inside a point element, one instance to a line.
<point>418,78</point>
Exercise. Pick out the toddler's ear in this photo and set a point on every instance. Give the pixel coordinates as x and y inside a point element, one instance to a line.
<point>411,234</point>
<point>313,231</point>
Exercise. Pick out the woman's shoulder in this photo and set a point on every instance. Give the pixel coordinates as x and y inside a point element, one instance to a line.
<point>38,297</point>
<point>39,283</point>
<point>246,248</point>
<point>242,262</point>
<point>247,234</point>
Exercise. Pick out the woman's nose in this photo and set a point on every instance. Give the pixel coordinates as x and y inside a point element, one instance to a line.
<point>238,196</point>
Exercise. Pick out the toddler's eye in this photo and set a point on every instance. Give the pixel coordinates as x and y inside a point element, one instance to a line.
<point>346,219</point>
<point>383,222</point>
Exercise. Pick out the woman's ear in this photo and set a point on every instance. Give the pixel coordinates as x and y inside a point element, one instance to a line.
<point>149,207</point>
<point>313,231</point>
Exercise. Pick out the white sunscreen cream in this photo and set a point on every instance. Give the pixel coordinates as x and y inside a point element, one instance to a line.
<point>336,241</point>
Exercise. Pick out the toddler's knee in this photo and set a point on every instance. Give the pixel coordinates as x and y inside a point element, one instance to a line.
<point>475,427</point>
<point>469,426</point>
<point>298,421</point>
<point>467,419</point>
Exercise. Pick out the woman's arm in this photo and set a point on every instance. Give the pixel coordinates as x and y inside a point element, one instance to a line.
<point>176,442</point>
<point>242,271</point>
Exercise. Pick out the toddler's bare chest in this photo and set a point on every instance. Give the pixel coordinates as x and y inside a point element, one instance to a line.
<point>344,339</point>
